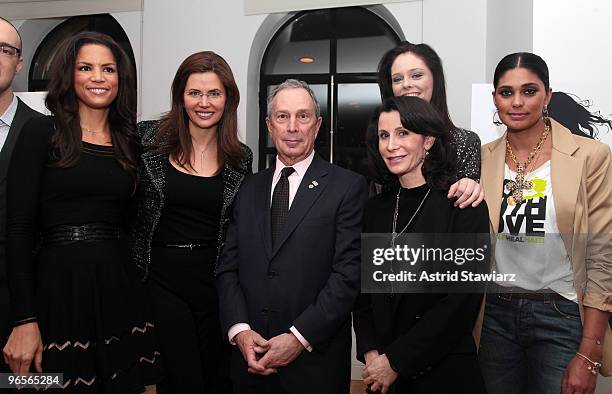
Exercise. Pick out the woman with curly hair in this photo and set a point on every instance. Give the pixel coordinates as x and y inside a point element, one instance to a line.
<point>75,308</point>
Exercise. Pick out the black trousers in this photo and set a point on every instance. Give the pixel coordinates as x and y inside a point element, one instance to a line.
<point>269,386</point>
<point>195,353</point>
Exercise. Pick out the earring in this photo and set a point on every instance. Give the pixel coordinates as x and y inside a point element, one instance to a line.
<point>497,122</point>
<point>425,154</point>
<point>545,112</point>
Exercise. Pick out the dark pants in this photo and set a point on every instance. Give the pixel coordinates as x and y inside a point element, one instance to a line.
<point>195,353</point>
<point>268,386</point>
<point>526,345</point>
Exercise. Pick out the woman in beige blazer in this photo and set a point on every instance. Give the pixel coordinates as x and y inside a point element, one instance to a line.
<point>549,194</point>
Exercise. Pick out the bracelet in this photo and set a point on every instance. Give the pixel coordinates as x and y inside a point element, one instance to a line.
<point>597,340</point>
<point>594,367</point>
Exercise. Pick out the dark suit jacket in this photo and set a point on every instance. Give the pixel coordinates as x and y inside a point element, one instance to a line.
<point>309,280</point>
<point>23,114</point>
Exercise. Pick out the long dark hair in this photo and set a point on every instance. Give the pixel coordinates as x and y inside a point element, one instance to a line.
<point>173,135</point>
<point>530,61</point>
<point>63,103</point>
<point>433,62</point>
<point>420,117</point>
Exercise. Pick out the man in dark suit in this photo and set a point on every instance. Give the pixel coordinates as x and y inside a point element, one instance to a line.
<point>289,271</point>
<point>13,114</point>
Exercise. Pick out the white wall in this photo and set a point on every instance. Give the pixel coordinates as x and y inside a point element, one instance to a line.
<point>573,37</point>
<point>457,31</point>
<point>509,30</point>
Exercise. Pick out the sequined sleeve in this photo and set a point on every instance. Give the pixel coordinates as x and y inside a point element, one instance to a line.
<point>467,147</point>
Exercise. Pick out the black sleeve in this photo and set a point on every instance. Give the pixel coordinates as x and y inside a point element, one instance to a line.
<point>468,154</point>
<point>232,303</point>
<point>363,318</point>
<point>25,173</point>
<point>247,162</point>
<point>448,322</point>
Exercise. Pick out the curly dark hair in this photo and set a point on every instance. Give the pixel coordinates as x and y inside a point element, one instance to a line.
<point>173,136</point>
<point>422,118</point>
<point>66,145</point>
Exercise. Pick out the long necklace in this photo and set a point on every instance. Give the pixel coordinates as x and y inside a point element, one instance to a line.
<point>203,153</point>
<point>395,234</point>
<point>519,184</point>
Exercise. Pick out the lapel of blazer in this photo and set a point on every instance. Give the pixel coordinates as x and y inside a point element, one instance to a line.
<point>262,207</point>
<point>566,172</point>
<point>21,116</point>
<point>492,179</point>
<point>305,197</point>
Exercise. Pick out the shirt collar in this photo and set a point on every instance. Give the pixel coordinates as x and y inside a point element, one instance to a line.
<point>300,167</point>
<point>8,115</point>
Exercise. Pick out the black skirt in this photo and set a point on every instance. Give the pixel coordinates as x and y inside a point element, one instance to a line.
<point>94,327</point>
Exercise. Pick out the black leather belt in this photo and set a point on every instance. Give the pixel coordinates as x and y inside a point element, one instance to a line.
<point>190,246</point>
<point>513,292</point>
<point>65,234</point>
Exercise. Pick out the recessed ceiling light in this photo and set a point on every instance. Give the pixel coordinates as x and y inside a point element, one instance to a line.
<point>307,59</point>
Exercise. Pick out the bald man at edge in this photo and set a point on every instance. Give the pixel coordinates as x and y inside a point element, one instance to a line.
<point>13,114</point>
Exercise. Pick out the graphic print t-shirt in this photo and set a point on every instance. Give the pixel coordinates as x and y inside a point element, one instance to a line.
<point>528,242</point>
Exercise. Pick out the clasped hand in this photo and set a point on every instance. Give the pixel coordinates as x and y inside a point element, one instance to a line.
<point>264,357</point>
<point>378,374</point>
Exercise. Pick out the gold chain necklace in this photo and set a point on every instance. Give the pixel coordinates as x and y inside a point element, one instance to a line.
<point>519,184</point>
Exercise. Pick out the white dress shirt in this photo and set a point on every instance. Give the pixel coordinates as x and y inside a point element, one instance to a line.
<point>294,183</point>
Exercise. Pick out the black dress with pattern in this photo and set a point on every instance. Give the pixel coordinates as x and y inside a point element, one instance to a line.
<point>88,306</point>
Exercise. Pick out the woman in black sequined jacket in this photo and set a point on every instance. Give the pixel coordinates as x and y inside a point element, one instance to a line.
<point>151,200</point>
<point>192,167</point>
<point>416,70</point>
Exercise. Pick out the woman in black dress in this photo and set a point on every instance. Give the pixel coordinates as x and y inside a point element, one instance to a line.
<point>417,343</point>
<point>192,168</point>
<point>75,309</point>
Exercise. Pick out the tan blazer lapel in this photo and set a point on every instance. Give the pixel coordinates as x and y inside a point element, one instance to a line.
<point>566,172</point>
<point>492,177</point>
